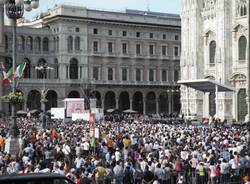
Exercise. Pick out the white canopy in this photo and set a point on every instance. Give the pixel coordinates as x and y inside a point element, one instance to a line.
<point>206,85</point>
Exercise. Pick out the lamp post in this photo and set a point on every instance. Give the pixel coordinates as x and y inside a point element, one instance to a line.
<point>14,10</point>
<point>248,69</point>
<point>43,68</point>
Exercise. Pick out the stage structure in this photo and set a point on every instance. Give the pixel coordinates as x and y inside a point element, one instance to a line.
<point>205,86</point>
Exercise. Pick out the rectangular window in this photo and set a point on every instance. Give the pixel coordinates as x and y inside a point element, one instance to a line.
<point>138,49</point>
<point>151,49</point>
<point>110,32</point>
<point>110,73</point>
<point>164,75</point>
<point>138,34</point>
<point>176,37</point>
<point>110,47</point>
<point>138,75</point>
<point>151,75</point>
<point>95,46</point>
<point>164,50</point>
<point>176,51</point>
<point>124,48</point>
<point>95,73</point>
<point>176,75</point>
<point>124,74</point>
<point>95,31</point>
<point>124,33</point>
<point>151,35</point>
<point>164,36</point>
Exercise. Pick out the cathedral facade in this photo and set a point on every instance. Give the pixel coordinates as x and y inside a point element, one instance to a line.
<point>214,46</point>
<point>126,60</point>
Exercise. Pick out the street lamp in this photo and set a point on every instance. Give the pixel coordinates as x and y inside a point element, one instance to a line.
<point>14,10</point>
<point>43,68</point>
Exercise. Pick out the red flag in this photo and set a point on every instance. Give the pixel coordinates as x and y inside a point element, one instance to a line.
<point>91,124</point>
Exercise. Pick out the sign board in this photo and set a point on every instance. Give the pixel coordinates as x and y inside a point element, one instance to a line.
<point>97,133</point>
<point>92,102</point>
<point>74,105</point>
<point>57,113</point>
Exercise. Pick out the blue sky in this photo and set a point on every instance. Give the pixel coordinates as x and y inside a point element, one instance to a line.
<point>168,6</point>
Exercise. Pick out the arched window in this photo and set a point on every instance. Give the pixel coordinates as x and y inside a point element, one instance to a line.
<point>29,43</point>
<point>77,43</point>
<point>110,73</point>
<point>56,69</point>
<point>42,73</point>
<point>54,43</point>
<point>73,69</point>
<point>242,48</point>
<point>57,43</point>
<point>21,43</point>
<point>45,44</point>
<point>70,43</point>
<point>243,10</point>
<point>37,44</point>
<point>6,42</point>
<point>212,50</point>
<point>8,63</point>
<point>26,73</point>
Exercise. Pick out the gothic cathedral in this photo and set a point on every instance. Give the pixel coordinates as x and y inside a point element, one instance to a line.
<point>214,46</point>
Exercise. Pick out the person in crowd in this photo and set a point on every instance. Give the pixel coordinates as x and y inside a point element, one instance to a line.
<point>131,149</point>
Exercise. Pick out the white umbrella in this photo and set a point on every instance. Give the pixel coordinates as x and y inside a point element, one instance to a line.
<point>21,112</point>
<point>110,110</point>
<point>130,111</point>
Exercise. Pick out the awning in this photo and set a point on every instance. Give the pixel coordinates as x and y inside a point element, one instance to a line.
<point>206,85</point>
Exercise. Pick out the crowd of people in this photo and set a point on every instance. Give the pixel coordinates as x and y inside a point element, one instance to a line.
<point>137,151</point>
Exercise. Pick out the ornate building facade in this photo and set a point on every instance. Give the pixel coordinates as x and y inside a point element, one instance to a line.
<point>126,60</point>
<point>214,46</point>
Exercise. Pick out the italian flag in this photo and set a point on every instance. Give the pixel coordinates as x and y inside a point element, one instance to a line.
<point>19,70</point>
<point>5,80</point>
<point>10,73</point>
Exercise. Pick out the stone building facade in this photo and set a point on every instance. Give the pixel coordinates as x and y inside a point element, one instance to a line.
<point>126,60</point>
<point>214,46</point>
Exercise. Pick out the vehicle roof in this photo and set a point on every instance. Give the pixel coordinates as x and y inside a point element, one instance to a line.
<point>33,176</point>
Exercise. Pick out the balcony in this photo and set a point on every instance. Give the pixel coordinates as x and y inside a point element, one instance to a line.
<point>79,82</point>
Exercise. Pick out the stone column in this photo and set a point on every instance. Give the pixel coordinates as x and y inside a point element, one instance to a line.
<point>117,103</point>
<point>131,73</point>
<point>34,72</point>
<point>144,105</point>
<point>131,103</point>
<point>235,105</point>
<point>25,102</point>
<point>169,102</point>
<point>79,72</point>
<point>158,74</point>
<point>103,105</point>
<point>157,105</point>
<point>103,68</point>
<point>68,73</point>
